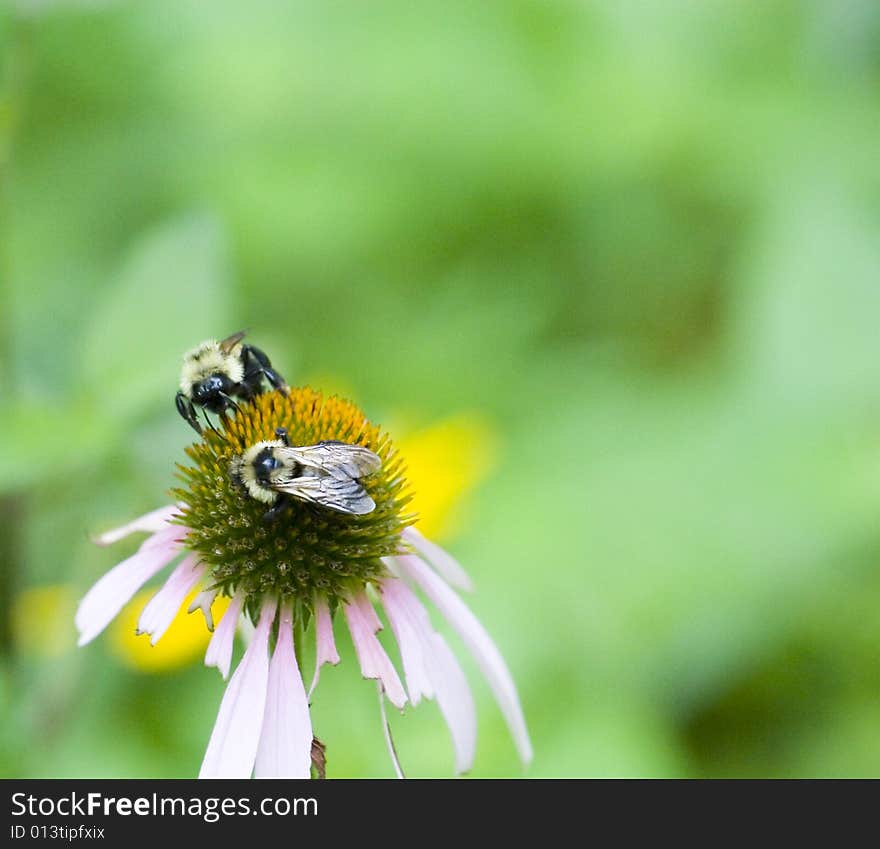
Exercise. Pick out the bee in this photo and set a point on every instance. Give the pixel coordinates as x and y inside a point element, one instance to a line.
<point>327,474</point>
<point>215,373</point>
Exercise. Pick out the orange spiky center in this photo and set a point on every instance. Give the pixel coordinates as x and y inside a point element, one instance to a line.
<point>307,551</point>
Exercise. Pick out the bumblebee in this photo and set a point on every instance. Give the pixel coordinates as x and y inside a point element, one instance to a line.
<point>327,474</point>
<point>215,373</point>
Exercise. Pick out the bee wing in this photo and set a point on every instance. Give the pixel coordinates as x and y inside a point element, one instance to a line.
<point>343,494</point>
<point>337,459</point>
<point>227,344</point>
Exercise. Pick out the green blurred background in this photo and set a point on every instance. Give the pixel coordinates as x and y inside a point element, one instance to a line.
<point>638,242</point>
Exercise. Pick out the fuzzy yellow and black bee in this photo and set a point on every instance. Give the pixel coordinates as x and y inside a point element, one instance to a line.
<point>215,374</point>
<point>327,474</point>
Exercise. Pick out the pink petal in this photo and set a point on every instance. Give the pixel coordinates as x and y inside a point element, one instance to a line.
<point>408,634</point>
<point>325,650</point>
<point>374,662</point>
<point>232,749</point>
<point>285,749</point>
<point>445,676</point>
<point>161,609</point>
<point>203,602</point>
<point>368,612</point>
<point>150,522</point>
<point>456,703</point>
<point>219,651</point>
<point>443,562</point>
<point>115,589</point>
<point>480,644</point>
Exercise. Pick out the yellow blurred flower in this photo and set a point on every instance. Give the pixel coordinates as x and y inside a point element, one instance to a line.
<point>41,618</point>
<point>185,640</point>
<point>444,463</point>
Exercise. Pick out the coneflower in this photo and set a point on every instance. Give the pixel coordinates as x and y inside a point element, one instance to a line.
<point>307,568</point>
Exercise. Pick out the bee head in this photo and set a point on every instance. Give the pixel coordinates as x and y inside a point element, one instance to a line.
<point>253,470</point>
<point>207,370</point>
<point>264,464</point>
<point>207,389</point>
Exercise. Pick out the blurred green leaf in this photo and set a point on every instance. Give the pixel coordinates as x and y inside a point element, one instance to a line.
<point>172,292</point>
<point>807,317</point>
<point>51,441</point>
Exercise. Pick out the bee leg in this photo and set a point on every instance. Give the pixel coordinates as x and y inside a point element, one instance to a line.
<point>211,425</point>
<point>230,402</point>
<point>277,381</point>
<point>247,388</point>
<point>276,510</point>
<point>187,411</point>
<point>257,366</point>
<point>281,433</point>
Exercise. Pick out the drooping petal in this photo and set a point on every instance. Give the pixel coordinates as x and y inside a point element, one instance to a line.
<point>285,749</point>
<point>232,749</point>
<point>150,522</point>
<point>374,662</point>
<point>409,640</point>
<point>456,703</point>
<point>203,602</point>
<point>480,644</point>
<point>162,607</point>
<point>115,589</point>
<point>442,561</point>
<point>219,651</point>
<point>444,674</point>
<point>325,649</point>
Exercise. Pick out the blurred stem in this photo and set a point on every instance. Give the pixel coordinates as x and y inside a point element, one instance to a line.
<point>15,63</point>
<point>11,518</point>
<point>15,55</point>
<point>16,43</point>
